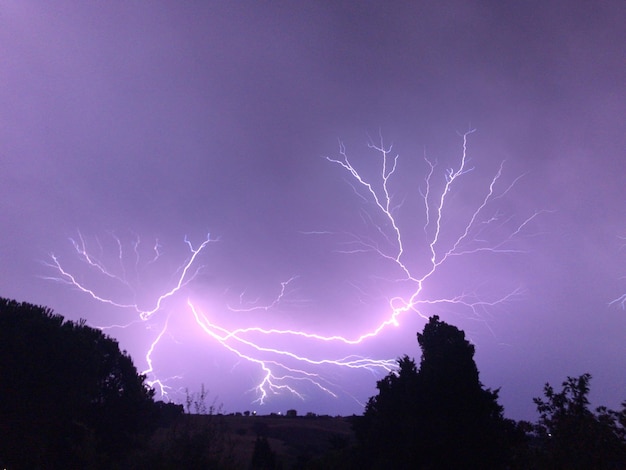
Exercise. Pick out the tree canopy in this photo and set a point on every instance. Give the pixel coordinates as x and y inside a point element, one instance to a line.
<point>573,436</point>
<point>437,416</point>
<point>68,395</point>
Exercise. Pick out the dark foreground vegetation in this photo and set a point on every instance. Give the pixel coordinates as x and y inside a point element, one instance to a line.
<point>69,398</point>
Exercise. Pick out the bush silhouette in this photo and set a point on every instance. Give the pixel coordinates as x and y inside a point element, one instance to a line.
<point>68,396</point>
<point>573,436</point>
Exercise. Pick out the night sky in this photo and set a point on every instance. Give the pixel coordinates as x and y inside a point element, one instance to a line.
<point>129,131</point>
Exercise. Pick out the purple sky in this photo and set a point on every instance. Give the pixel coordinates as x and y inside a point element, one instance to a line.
<point>125,123</point>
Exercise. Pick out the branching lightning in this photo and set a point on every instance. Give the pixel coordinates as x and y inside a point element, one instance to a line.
<point>187,273</point>
<point>251,306</point>
<point>466,242</point>
<point>292,361</point>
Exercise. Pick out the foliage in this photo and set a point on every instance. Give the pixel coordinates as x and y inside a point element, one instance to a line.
<point>68,396</point>
<point>196,402</point>
<point>439,416</point>
<point>573,436</point>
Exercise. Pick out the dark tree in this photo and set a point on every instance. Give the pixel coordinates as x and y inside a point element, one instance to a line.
<point>385,432</point>
<point>68,396</point>
<point>439,416</point>
<point>573,436</point>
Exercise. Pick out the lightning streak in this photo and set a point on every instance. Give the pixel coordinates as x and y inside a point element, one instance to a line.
<point>187,274</point>
<point>156,383</point>
<point>466,242</point>
<point>308,362</point>
<point>277,373</point>
<point>251,307</point>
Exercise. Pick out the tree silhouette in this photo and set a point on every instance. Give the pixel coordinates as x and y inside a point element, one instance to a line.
<point>573,436</point>
<point>68,396</point>
<point>439,416</point>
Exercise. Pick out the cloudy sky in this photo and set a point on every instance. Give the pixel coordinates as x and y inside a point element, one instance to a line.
<point>133,132</point>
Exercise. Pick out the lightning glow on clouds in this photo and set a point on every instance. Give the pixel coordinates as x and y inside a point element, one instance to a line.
<point>288,361</point>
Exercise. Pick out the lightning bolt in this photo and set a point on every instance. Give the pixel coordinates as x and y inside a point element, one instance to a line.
<point>156,383</point>
<point>187,273</point>
<point>273,380</point>
<point>292,361</point>
<point>468,240</point>
<point>621,301</point>
<point>254,305</point>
